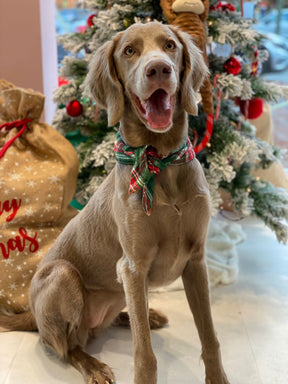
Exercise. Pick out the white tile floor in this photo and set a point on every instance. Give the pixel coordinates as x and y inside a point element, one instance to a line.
<point>251,318</point>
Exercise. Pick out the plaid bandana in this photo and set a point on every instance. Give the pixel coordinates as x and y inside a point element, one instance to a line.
<point>147,163</point>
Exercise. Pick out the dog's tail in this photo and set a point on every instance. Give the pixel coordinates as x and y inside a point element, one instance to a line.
<point>17,322</point>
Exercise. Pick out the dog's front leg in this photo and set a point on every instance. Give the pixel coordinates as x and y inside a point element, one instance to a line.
<point>196,286</point>
<point>135,287</point>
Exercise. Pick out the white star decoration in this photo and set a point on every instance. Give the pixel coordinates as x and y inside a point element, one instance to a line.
<point>8,262</point>
<point>15,176</point>
<point>12,286</point>
<point>31,183</point>
<point>54,179</point>
<point>47,207</point>
<point>29,212</point>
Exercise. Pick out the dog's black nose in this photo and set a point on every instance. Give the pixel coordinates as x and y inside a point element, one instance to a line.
<point>158,69</point>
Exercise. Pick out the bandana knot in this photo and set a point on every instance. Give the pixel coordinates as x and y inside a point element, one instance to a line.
<point>147,163</point>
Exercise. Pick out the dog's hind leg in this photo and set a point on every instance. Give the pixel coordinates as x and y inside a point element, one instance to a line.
<point>58,302</point>
<point>93,370</point>
<point>57,299</point>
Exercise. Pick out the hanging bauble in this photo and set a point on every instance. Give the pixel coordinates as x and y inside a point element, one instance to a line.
<point>62,81</point>
<point>74,108</point>
<point>90,20</point>
<point>127,22</point>
<point>254,68</point>
<point>254,64</point>
<point>253,108</point>
<point>232,66</point>
<point>224,6</point>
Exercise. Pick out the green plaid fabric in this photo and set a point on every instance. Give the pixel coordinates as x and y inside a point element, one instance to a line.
<point>147,163</point>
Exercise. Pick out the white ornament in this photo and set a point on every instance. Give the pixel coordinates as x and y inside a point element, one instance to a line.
<point>193,6</point>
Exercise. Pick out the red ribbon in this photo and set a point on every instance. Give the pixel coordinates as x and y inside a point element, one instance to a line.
<point>208,134</point>
<point>218,96</point>
<point>14,124</point>
<point>209,121</point>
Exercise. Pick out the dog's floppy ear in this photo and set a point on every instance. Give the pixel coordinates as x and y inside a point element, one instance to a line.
<point>194,72</point>
<point>103,82</point>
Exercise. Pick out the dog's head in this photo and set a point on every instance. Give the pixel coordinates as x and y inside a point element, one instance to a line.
<point>150,67</point>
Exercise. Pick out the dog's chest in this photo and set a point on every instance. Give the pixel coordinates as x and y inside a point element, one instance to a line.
<point>172,211</point>
<point>168,191</point>
<point>167,266</point>
<point>173,251</point>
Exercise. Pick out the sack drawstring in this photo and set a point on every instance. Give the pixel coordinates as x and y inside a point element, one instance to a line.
<point>14,124</point>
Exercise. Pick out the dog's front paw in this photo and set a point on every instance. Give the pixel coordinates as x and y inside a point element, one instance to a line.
<point>101,376</point>
<point>96,379</point>
<point>219,378</point>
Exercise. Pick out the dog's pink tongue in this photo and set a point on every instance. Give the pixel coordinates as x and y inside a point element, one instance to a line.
<point>158,109</point>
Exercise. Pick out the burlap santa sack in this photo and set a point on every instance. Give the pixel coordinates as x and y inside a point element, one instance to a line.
<point>38,173</point>
<point>275,174</point>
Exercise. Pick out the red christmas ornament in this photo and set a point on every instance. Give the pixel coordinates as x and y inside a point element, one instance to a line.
<point>74,108</point>
<point>224,6</point>
<point>62,81</point>
<point>253,108</point>
<point>90,21</point>
<point>232,66</point>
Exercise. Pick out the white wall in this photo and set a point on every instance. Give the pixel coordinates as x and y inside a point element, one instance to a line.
<point>28,50</point>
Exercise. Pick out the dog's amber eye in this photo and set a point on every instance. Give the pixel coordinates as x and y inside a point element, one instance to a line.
<point>129,51</point>
<point>170,45</point>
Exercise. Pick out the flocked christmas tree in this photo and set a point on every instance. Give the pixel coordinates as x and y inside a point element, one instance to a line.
<point>222,134</point>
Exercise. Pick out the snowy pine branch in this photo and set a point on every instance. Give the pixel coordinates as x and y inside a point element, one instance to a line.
<point>234,86</point>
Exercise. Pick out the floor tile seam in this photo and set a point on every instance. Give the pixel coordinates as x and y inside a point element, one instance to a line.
<point>250,345</point>
<point>13,359</point>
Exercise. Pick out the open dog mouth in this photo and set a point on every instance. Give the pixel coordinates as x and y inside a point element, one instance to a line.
<point>157,110</point>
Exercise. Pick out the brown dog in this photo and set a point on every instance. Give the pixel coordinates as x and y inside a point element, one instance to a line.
<point>110,253</point>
